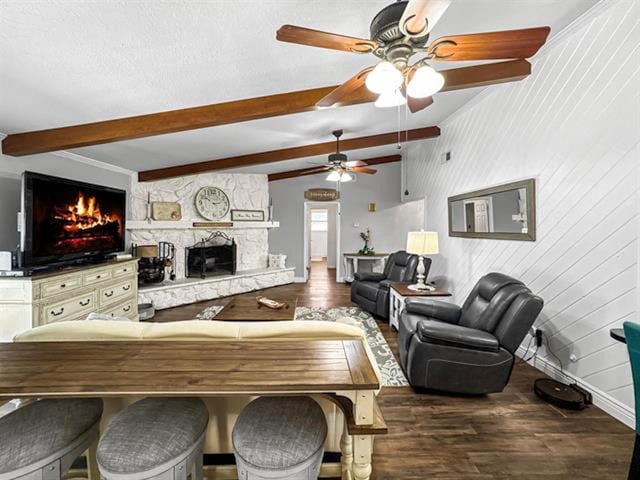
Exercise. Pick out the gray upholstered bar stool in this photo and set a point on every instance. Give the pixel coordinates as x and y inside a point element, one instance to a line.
<point>41,440</point>
<point>280,437</point>
<point>155,438</point>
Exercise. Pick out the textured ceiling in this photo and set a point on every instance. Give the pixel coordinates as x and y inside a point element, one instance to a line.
<point>64,62</point>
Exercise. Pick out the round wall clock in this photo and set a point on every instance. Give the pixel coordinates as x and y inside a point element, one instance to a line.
<point>212,203</point>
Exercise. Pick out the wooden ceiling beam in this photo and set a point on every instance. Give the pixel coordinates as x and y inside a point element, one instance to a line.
<point>173,121</point>
<point>286,154</point>
<point>314,170</point>
<point>485,75</point>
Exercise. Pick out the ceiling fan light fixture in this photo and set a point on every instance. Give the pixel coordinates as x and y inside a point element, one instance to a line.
<point>384,78</point>
<point>390,99</point>
<point>425,82</point>
<point>334,176</point>
<point>346,177</point>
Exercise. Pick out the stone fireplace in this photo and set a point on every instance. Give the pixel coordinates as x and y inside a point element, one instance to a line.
<point>210,261</point>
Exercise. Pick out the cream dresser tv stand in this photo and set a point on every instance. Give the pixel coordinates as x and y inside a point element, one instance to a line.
<point>69,294</point>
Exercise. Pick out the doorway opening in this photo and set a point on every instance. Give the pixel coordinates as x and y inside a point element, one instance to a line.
<point>319,234</point>
<point>322,239</point>
<point>478,215</point>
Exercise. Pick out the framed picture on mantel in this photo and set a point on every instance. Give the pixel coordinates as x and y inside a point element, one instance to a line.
<point>247,216</point>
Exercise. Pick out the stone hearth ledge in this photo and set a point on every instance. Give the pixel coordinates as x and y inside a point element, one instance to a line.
<point>192,290</point>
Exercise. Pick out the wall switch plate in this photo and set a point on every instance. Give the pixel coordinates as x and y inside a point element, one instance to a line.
<point>445,157</point>
<point>356,225</point>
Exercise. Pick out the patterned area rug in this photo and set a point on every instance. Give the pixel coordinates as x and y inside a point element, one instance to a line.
<point>209,312</point>
<point>392,375</point>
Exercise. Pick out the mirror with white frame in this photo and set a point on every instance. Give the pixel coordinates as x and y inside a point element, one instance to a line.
<point>505,212</point>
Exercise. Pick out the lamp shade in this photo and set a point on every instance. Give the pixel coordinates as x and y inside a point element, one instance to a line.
<point>346,177</point>
<point>384,78</point>
<point>422,243</point>
<point>390,99</point>
<point>425,82</point>
<point>334,176</point>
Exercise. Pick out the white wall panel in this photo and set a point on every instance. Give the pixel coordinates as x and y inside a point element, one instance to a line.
<point>574,126</point>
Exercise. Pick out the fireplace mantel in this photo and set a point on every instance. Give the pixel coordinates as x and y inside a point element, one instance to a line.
<point>188,225</point>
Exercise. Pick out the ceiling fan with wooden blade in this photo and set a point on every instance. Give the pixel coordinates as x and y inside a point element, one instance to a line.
<point>339,167</point>
<point>400,31</point>
<point>351,85</point>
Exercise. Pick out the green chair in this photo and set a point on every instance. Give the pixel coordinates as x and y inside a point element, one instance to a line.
<point>632,334</point>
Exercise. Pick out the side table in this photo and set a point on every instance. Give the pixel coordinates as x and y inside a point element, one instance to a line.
<point>399,293</point>
<point>350,261</point>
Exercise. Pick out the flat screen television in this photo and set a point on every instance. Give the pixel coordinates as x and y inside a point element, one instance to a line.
<point>66,221</point>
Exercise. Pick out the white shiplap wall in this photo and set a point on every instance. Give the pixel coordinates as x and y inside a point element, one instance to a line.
<point>573,125</point>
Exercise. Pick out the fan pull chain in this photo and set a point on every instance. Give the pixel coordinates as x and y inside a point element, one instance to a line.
<point>406,123</point>
<point>399,127</point>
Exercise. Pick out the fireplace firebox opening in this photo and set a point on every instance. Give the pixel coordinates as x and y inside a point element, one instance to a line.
<point>214,255</point>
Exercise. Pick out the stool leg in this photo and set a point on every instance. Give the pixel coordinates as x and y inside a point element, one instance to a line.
<point>92,463</point>
<point>362,451</point>
<point>346,450</point>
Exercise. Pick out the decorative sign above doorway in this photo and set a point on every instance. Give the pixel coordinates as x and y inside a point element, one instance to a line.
<point>322,194</point>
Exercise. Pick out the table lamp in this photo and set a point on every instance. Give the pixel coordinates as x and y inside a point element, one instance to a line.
<point>421,244</point>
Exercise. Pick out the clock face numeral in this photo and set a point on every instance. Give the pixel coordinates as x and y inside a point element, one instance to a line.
<point>212,203</point>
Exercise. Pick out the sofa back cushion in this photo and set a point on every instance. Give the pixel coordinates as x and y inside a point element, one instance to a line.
<point>518,319</point>
<point>489,300</point>
<point>101,330</point>
<point>401,267</point>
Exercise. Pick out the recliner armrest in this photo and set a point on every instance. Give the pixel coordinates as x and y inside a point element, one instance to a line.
<point>433,331</point>
<point>369,276</point>
<point>447,312</point>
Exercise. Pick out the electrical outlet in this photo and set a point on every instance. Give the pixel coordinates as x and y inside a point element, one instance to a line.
<point>538,335</point>
<point>445,157</point>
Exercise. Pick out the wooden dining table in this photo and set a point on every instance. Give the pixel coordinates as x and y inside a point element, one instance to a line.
<point>338,370</point>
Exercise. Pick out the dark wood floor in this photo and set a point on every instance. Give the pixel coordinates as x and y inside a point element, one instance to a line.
<point>510,435</point>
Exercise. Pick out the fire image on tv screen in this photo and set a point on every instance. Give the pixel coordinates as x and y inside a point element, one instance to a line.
<point>72,219</point>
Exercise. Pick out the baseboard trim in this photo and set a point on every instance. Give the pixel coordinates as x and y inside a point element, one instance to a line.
<point>602,400</point>
<point>299,280</point>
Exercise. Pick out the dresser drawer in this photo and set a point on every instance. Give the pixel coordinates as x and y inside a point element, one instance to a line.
<point>70,309</point>
<point>60,285</point>
<point>116,291</point>
<point>128,308</point>
<point>96,276</point>
<point>122,270</point>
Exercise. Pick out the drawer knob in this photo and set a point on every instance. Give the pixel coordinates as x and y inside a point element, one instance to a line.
<point>127,308</point>
<point>99,277</point>
<point>108,294</point>
<point>86,302</point>
<point>126,287</point>
<point>56,314</point>
<point>63,285</point>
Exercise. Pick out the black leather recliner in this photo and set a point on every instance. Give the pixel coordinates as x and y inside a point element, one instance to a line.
<point>471,349</point>
<point>371,290</point>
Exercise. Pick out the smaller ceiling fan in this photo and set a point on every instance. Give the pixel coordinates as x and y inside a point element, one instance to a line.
<point>340,169</point>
